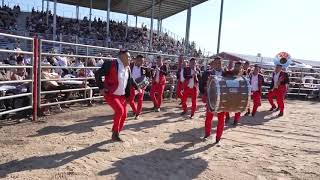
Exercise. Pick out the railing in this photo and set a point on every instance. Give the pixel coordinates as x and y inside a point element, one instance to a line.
<point>23,88</point>
<point>40,96</point>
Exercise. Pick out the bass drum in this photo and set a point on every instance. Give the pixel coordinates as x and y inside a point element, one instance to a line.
<point>227,94</point>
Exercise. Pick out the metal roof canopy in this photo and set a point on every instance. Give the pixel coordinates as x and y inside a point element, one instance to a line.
<point>142,8</point>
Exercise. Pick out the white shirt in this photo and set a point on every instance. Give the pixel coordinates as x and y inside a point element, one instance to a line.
<point>123,75</point>
<point>158,74</point>
<point>218,73</point>
<point>136,72</point>
<point>276,78</point>
<point>254,83</point>
<point>62,61</point>
<point>181,76</point>
<point>191,81</point>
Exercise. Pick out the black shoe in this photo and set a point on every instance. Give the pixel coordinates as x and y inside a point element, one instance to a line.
<point>272,108</point>
<point>247,113</point>
<point>157,110</point>
<point>217,140</point>
<point>154,108</point>
<point>277,109</point>
<point>253,114</point>
<point>227,120</point>
<point>280,114</point>
<point>205,137</point>
<point>180,103</point>
<point>115,137</point>
<point>191,116</point>
<point>183,113</point>
<point>137,117</point>
<point>235,123</point>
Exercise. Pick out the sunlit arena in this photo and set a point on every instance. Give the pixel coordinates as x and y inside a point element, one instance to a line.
<point>158,89</point>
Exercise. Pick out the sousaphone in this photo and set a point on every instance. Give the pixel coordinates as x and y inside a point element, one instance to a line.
<point>283,59</point>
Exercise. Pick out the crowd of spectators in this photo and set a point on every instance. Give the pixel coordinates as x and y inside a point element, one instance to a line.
<point>8,17</point>
<point>96,34</point>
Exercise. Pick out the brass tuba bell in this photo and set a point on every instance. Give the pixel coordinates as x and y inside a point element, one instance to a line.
<point>283,59</point>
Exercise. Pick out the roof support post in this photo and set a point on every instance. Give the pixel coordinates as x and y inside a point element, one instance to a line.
<point>42,8</point>
<point>90,14</point>
<point>108,21</point>
<point>158,28</point>
<point>77,12</point>
<point>127,19</point>
<point>151,26</point>
<point>220,25</point>
<point>159,19</point>
<point>136,21</point>
<point>54,20</point>
<point>47,12</point>
<point>186,48</point>
<point>2,3</point>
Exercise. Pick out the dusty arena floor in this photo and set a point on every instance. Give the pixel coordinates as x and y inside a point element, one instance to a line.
<point>76,145</point>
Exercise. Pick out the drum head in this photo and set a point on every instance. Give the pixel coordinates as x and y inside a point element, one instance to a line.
<point>228,94</point>
<point>212,96</point>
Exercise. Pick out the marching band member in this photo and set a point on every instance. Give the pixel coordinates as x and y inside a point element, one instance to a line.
<point>158,84</point>
<point>246,69</point>
<point>137,71</point>
<point>278,89</point>
<point>216,69</point>
<point>256,81</point>
<point>191,76</point>
<point>237,71</point>
<point>116,88</point>
<point>180,78</point>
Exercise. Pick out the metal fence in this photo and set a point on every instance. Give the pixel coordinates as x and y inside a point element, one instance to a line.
<point>52,84</point>
<point>17,85</point>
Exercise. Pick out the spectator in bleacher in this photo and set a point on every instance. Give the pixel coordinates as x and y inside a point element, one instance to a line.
<point>137,37</point>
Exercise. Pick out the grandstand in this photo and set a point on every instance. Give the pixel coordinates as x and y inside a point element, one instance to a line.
<point>95,31</point>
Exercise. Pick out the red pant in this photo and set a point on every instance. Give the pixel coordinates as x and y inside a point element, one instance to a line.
<point>179,90</point>
<point>237,116</point>
<point>189,92</point>
<point>136,109</point>
<point>208,122</point>
<point>279,94</point>
<point>157,88</point>
<point>220,126</point>
<point>119,106</point>
<point>256,98</point>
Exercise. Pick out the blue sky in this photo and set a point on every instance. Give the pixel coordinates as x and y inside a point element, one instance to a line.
<point>249,26</point>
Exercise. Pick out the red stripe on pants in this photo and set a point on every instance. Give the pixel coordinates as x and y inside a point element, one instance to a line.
<point>180,90</point>
<point>256,97</point>
<point>279,94</point>
<point>189,92</point>
<point>158,89</point>
<point>136,109</point>
<point>119,106</point>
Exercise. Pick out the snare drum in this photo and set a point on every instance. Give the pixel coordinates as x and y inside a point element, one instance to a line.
<point>228,94</point>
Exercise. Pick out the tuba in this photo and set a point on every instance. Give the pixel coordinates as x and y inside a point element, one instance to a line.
<point>283,59</point>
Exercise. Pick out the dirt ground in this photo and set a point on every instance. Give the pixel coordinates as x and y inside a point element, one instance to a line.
<point>76,145</point>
